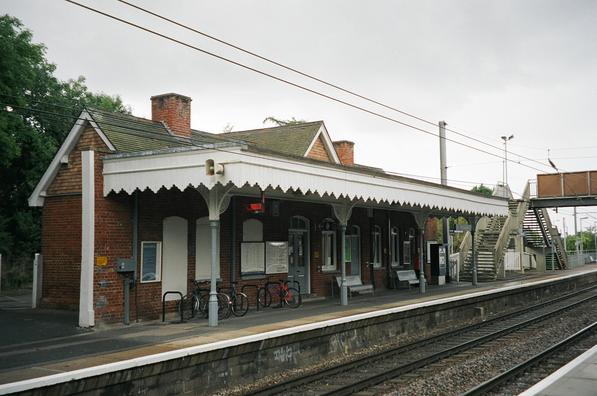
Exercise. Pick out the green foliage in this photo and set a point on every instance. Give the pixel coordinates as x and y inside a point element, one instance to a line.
<point>587,239</point>
<point>279,122</point>
<point>30,134</point>
<point>484,190</point>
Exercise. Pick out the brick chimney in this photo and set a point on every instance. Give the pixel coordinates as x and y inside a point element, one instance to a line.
<point>174,110</point>
<point>345,151</point>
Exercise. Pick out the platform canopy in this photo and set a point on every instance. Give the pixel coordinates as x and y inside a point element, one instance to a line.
<point>242,167</point>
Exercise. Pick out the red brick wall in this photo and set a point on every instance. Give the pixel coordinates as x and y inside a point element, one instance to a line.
<point>319,152</point>
<point>61,249</point>
<point>61,228</point>
<point>345,151</point>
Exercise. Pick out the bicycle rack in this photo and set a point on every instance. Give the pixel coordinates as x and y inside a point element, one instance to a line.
<point>164,304</point>
<point>242,290</point>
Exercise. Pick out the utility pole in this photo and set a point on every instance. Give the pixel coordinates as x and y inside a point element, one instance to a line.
<point>444,180</point>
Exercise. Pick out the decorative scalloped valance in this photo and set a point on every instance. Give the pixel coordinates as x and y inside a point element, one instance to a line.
<point>184,168</point>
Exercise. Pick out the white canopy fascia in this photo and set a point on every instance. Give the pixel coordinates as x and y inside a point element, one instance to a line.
<point>184,168</point>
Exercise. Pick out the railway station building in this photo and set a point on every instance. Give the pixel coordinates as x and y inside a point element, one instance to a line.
<point>131,197</point>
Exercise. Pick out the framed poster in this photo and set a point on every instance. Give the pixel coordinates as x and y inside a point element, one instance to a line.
<point>276,257</point>
<point>252,258</point>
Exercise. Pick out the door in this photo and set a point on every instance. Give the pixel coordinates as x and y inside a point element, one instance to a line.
<point>298,262</point>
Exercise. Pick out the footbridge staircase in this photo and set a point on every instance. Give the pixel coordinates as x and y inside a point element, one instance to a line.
<point>494,235</point>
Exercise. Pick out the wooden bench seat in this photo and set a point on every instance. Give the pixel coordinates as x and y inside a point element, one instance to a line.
<point>355,284</point>
<point>407,276</point>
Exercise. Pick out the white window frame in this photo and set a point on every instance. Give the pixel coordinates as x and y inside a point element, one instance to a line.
<point>394,247</point>
<point>334,266</point>
<point>158,262</point>
<point>376,240</point>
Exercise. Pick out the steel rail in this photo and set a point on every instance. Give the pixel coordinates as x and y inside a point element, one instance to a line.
<point>313,377</point>
<point>389,374</point>
<point>500,379</point>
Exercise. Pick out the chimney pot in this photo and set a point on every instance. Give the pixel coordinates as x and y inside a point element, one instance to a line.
<point>174,110</point>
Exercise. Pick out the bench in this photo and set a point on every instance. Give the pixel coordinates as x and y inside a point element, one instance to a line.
<point>408,276</point>
<point>355,285</point>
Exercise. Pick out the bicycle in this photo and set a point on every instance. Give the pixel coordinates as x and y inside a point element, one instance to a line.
<point>239,302</point>
<point>198,301</point>
<point>287,295</point>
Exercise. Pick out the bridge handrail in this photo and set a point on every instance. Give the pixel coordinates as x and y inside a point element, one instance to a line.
<point>512,223</point>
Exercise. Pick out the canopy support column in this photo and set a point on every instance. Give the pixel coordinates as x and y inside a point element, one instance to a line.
<point>421,219</point>
<point>217,200</point>
<point>473,221</point>
<point>343,212</point>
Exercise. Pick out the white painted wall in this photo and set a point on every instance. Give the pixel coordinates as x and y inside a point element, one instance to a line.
<point>175,253</point>
<point>203,250</point>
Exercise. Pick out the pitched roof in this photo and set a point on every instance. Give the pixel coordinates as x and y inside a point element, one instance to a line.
<point>128,133</point>
<point>287,139</point>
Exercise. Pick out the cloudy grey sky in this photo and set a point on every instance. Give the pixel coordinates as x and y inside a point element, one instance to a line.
<point>487,68</point>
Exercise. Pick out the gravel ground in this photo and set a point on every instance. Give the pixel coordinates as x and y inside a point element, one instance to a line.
<point>461,372</point>
<point>328,363</point>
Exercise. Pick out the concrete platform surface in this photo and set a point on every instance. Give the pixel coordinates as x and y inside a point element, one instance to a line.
<point>578,378</point>
<point>39,343</point>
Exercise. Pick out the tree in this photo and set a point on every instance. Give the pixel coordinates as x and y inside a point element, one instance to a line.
<point>36,113</point>
<point>279,122</point>
<point>484,190</point>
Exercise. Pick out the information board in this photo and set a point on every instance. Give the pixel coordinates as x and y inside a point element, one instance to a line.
<point>276,257</point>
<point>252,257</point>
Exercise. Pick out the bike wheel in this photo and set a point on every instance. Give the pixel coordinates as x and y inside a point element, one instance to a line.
<point>264,297</point>
<point>203,305</point>
<point>224,306</point>
<point>194,305</point>
<point>240,304</point>
<point>187,307</point>
<point>293,298</point>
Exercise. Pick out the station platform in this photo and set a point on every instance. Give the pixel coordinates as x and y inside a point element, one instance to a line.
<point>44,357</point>
<point>578,378</point>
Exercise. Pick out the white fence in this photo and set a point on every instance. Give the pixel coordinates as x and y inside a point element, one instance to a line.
<point>514,261</point>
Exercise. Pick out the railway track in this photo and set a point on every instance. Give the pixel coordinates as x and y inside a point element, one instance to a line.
<point>531,371</point>
<point>399,362</point>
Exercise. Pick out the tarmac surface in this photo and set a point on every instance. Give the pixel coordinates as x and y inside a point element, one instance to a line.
<point>40,342</point>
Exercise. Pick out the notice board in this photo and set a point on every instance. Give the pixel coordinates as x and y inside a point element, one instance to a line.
<point>252,257</point>
<point>276,257</point>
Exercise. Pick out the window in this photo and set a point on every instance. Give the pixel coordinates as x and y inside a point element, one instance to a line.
<point>394,247</point>
<point>328,246</point>
<point>252,230</point>
<point>151,261</point>
<point>376,241</point>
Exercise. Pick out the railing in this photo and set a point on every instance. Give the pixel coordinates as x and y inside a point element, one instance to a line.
<point>555,239</point>
<point>512,224</point>
<point>465,246</point>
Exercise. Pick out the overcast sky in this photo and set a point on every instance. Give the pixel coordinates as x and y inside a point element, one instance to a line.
<point>488,68</point>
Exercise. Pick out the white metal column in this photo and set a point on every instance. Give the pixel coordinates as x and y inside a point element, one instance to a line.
<point>217,200</point>
<point>343,212</point>
<point>86,312</point>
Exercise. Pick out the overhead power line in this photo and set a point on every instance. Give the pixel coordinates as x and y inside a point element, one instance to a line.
<point>312,77</point>
<point>323,95</point>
